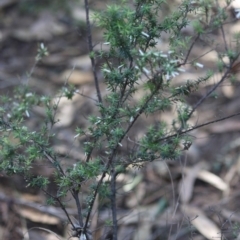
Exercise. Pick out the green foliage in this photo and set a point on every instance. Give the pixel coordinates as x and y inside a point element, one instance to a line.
<point>39,181</point>
<point>132,63</point>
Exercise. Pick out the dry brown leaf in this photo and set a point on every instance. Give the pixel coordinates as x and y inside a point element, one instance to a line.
<point>132,183</point>
<point>65,113</point>
<point>235,4</point>
<point>145,214</point>
<point>38,233</point>
<point>214,180</point>
<point>66,110</point>
<point>187,183</point>
<point>79,13</point>
<point>208,177</point>
<point>201,222</point>
<point>230,215</point>
<point>37,216</point>
<point>76,77</point>
<point>82,62</point>
<point>228,91</point>
<point>137,195</point>
<point>32,198</point>
<point>160,168</point>
<point>231,173</point>
<point>143,232</point>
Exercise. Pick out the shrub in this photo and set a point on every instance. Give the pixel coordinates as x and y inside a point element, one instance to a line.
<point>133,63</point>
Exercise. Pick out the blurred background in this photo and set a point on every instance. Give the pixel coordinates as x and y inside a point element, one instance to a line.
<point>194,197</point>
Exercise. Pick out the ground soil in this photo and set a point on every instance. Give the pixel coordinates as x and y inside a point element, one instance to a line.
<point>183,199</point>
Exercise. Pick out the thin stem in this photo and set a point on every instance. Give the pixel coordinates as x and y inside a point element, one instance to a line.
<point>109,162</point>
<point>200,56</point>
<point>113,204</point>
<point>224,38</point>
<point>62,206</point>
<point>209,92</point>
<point>94,197</point>
<point>76,197</point>
<point>90,47</point>
<point>198,126</point>
<point>83,95</point>
<point>190,50</point>
<point>54,162</point>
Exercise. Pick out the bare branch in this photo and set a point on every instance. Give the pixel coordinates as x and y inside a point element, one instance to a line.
<point>90,47</point>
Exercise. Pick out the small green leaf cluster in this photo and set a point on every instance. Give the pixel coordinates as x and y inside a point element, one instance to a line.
<point>21,147</point>
<point>154,145</point>
<point>190,86</point>
<point>69,91</point>
<point>39,181</point>
<point>17,107</point>
<point>42,52</point>
<point>132,36</point>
